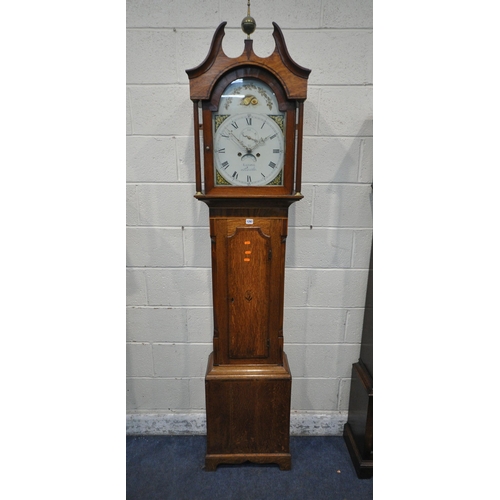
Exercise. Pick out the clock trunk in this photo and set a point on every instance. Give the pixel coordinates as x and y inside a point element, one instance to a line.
<point>248,266</point>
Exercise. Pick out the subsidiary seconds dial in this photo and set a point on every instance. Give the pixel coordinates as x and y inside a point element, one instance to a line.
<point>249,150</point>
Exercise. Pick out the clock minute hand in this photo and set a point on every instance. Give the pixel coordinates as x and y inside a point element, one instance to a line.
<point>262,141</point>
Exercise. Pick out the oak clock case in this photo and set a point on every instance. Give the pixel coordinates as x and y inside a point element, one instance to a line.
<point>248,122</point>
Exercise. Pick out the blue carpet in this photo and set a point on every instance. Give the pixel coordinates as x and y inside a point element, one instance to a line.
<point>172,468</point>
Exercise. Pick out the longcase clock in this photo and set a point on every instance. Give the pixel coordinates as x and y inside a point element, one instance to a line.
<point>249,113</point>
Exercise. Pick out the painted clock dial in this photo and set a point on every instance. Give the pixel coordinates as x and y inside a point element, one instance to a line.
<point>249,141</point>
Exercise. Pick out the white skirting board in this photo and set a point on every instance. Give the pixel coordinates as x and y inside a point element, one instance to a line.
<point>178,424</point>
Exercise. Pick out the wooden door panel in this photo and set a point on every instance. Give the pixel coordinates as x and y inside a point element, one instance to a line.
<point>248,268</point>
<point>248,289</point>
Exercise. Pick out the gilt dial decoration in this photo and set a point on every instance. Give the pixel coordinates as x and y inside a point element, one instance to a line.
<point>249,141</point>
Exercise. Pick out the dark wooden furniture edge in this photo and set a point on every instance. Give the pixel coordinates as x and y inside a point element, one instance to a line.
<point>364,468</point>
<point>364,376</point>
<point>358,435</point>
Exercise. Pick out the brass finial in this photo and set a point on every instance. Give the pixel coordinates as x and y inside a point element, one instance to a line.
<point>248,24</point>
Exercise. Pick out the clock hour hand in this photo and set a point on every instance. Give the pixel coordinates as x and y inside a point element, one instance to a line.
<point>244,146</point>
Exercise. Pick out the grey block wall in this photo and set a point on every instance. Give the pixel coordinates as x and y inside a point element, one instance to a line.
<point>169,324</point>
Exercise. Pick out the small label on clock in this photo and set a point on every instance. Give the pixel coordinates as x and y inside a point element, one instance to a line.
<point>249,221</point>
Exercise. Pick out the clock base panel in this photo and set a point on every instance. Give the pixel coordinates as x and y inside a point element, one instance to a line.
<point>248,414</point>
<point>284,460</point>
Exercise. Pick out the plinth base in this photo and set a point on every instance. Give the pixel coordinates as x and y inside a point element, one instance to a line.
<point>284,460</point>
<point>248,414</point>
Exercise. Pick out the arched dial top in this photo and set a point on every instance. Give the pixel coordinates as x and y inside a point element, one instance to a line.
<point>249,136</point>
